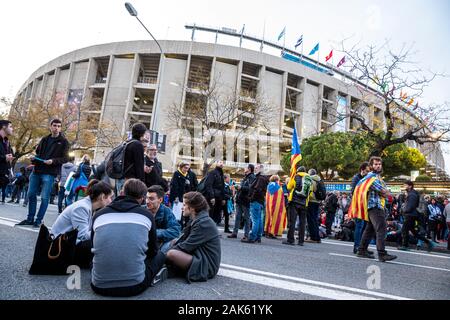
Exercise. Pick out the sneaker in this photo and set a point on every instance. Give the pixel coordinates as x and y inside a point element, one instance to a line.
<point>24,205</point>
<point>364,254</point>
<point>258,240</point>
<point>232,236</point>
<point>355,250</point>
<point>383,257</point>
<point>25,223</point>
<point>300,244</point>
<point>160,276</point>
<point>37,224</point>
<point>288,242</point>
<point>227,231</point>
<point>247,240</point>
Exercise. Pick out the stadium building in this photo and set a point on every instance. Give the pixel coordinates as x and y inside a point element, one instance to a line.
<point>133,82</point>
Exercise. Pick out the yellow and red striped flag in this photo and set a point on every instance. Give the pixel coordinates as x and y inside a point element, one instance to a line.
<point>275,210</point>
<point>296,153</point>
<point>358,208</point>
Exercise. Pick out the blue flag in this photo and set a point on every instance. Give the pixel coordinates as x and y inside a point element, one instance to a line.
<point>314,50</point>
<point>299,42</point>
<point>282,34</point>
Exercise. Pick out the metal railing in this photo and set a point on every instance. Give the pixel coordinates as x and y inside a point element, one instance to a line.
<point>148,80</point>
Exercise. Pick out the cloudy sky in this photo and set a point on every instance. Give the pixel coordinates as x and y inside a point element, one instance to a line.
<point>34,32</point>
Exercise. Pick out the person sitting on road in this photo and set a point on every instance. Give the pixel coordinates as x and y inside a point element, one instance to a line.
<point>196,254</point>
<point>79,216</point>
<point>167,226</point>
<point>126,258</point>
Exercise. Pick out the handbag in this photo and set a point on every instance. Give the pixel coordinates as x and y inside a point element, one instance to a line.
<point>52,256</point>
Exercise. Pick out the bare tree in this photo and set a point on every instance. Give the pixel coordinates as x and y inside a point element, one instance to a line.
<point>392,80</point>
<point>218,111</point>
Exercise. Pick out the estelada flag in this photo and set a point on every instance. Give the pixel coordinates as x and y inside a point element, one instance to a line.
<point>358,208</point>
<point>275,210</point>
<point>296,154</point>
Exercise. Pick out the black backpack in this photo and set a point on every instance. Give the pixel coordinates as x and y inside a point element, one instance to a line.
<point>201,186</point>
<point>115,161</point>
<point>321,191</point>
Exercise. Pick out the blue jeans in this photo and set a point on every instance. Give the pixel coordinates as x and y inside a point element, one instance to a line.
<point>45,181</point>
<point>257,223</point>
<point>242,211</point>
<point>313,220</point>
<point>359,229</point>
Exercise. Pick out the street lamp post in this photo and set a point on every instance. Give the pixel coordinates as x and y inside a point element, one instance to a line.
<point>133,12</point>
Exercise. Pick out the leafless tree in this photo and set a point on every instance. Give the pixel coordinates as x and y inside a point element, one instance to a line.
<point>393,80</point>
<point>218,110</point>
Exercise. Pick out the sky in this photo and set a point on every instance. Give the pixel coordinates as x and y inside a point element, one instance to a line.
<point>35,32</point>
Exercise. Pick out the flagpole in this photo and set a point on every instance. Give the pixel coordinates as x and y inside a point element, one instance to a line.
<point>302,48</point>
<point>264,32</point>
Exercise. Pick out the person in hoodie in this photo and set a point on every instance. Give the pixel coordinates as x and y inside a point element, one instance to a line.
<point>81,177</point>
<point>51,152</point>
<point>66,169</point>
<point>126,258</point>
<point>275,209</point>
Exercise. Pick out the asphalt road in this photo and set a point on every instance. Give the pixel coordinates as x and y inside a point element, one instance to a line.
<point>266,271</point>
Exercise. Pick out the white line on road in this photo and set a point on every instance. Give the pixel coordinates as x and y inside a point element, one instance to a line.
<point>12,223</point>
<point>292,286</point>
<point>392,262</point>
<point>392,249</point>
<point>312,282</point>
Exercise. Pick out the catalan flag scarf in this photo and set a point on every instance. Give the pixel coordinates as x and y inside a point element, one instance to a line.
<point>358,208</point>
<point>275,210</point>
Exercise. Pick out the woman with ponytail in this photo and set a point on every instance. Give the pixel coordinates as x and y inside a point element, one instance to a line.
<point>79,216</point>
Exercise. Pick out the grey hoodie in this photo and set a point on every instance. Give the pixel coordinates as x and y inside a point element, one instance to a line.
<point>66,169</point>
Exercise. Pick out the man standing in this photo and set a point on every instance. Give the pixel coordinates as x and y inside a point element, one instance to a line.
<point>331,206</point>
<point>299,197</point>
<point>51,153</point>
<point>134,153</point>
<point>257,195</point>
<point>243,202</point>
<point>373,188</point>
<point>6,155</point>
<point>215,191</point>
<point>360,224</point>
<point>410,214</point>
<point>314,209</point>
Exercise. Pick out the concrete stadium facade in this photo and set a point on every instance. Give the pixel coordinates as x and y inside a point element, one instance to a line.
<point>134,82</point>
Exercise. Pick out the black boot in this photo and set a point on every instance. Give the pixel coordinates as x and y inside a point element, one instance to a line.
<point>384,256</point>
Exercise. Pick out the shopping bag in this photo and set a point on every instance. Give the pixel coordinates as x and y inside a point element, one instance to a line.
<point>177,210</point>
<point>52,256</point>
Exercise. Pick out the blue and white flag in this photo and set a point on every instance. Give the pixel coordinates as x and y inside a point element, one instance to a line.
<point>299,42</point>
<point>314,50</point>
<point>282,34</point>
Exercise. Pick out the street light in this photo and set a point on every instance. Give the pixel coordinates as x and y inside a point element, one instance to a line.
<point>133,12</point>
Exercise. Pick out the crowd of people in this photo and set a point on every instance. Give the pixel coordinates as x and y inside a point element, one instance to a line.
<point>131,237</point>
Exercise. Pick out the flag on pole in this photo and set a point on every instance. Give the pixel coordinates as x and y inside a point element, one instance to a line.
<point>340,63</point>
<point>314,50</point>
<point>410,102</point>
<point>383,86</point>
<point>299,42</point>
<point>328,57</point>
<point>282,34</point>
<point>296,154</point>
<point>403,96</point>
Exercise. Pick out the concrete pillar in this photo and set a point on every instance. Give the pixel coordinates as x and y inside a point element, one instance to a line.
<point>300,108</point>
<point>131,92</point>
<point>283,101</point>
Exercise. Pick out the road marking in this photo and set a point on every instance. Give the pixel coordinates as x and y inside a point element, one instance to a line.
<point>292,286</point>
<point>313,283</point>
<point>392,262</point>
<point>392,249</point>
<point>12,223</point>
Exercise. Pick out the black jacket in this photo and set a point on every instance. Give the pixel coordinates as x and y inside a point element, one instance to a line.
<point>411,203</point>
<point>215,185</point>
<point>4,165</point>
<point>179,185</point>
<point>331,203</point>
<point>58,153</point>
<point>356,178</point>
<point>86,170</point>
<point>155,177</point>
<point>258,189</point>
<point>134,161</point>
<point>242,196</point>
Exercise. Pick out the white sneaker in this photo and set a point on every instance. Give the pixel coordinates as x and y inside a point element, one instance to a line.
<point>160,276</point>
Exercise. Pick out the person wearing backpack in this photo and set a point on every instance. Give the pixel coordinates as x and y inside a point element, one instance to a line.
<point>318,194</point>
<point>409,211</point>
<point>243,202</point>
<point>299,197</point>
<point>81,177</point>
